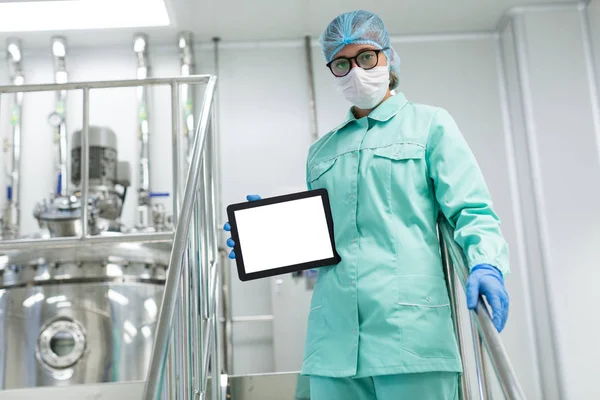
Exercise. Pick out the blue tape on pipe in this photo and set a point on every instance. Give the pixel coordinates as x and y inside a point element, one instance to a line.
<point>9,193</point>
<point>159,194</point>
<point>59,183</point>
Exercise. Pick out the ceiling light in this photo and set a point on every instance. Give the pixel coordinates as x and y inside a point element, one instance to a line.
<point>81,14</point>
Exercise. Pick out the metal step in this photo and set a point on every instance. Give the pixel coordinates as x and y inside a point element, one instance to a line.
<point>284,386</point>
<point>281,386</point>
<point>104,391</point>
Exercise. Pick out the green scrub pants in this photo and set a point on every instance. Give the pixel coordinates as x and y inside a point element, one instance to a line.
<point>417,386</point>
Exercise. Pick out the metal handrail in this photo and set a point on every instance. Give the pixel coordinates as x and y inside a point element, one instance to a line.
<point>152,388</point>
<point>483,323</point>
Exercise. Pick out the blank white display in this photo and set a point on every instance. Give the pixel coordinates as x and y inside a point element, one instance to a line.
<point>283,234</point>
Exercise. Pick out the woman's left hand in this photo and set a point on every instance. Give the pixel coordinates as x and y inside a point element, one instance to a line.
<point>487,280</point>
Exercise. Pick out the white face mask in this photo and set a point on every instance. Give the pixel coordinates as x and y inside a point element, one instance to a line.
<point>364,88</point>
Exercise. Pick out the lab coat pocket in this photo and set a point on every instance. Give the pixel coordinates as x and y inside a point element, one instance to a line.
<point>397,173</point>
<point>426,322</point>
<point>317,171</point>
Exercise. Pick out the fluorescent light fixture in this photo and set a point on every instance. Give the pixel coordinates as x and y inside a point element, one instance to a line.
<point>81,14</point>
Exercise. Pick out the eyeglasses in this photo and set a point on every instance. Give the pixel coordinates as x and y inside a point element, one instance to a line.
<point>367,59</point>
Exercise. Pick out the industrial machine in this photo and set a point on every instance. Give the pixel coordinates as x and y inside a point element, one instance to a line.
<point>81,314</point>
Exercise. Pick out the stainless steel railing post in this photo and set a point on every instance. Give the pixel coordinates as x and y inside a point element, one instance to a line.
<point>449,273</point>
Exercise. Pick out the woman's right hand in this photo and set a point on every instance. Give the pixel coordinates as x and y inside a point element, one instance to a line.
<point>227,227</point>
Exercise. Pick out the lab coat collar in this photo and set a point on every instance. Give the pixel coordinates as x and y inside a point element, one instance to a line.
<point>384,112</point>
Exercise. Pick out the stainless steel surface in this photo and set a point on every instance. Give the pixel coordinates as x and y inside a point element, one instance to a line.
<point>57,243</point>
<point>312,103</point>
<point>75,317</point>
<point>167,309</point>
<point>50,87</point>
<point>12,214</point>
<point>253,318</point>
<point>449,273</point>
<point>227,315</point>
<point>185,41</point>
<point>105,391</point>
<point>197,331</point>
<point>143,72</point>
<point>479,368</point>
<point>497,353</point>
<point>278,386</point>
<point>85,162</point>
<point>522,60</point>
<point>59,52</point>
<point>177,172</point>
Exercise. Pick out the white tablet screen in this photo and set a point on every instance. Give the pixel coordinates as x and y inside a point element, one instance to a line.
<point>283,234</point>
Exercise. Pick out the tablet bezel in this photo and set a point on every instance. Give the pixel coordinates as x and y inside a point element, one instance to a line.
<point>239,256</point>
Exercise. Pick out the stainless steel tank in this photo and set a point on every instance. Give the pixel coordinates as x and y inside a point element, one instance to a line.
<point>79,315</point>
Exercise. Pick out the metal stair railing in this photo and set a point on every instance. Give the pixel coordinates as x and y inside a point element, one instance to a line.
<point>187,329</point>
<point>485,335</point>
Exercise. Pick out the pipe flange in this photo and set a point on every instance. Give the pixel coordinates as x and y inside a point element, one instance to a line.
<point>61,344</point>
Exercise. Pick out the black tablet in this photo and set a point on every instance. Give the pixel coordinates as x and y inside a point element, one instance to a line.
<point>283,234</point>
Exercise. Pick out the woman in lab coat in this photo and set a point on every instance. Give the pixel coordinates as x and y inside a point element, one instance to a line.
<point>380,326</point>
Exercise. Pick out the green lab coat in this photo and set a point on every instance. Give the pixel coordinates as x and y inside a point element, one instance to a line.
<point>384,309</point>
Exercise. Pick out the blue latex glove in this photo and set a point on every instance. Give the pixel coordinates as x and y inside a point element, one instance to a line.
<point>486,280</point>
<point>227,227</point>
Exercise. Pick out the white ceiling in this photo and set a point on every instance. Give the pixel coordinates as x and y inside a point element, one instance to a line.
<point>249,20</point>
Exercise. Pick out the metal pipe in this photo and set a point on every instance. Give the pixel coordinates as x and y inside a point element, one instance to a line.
<point>195,288</point>
<point>54,243</point>
<point>484,371</point>
<point>85,162</point>
<point>253,318</point>
<point>12,214</point>
<point>51,87</point>
<point>204,241</point>
<point>216,361</point>
<point>227,316</point>
<point>481,378</point>
<point>58,118</point>
<point>519,36</point>
<point>496,351</point>
<point>312,104</point>
<point>140,48</point>
<point>449,273</point>
<point>185,41</point>
<point>167,308</point>
<point>177,180</point>
<point>186,338</point>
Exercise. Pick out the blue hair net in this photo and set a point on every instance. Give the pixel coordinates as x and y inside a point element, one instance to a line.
<point>358,27</point>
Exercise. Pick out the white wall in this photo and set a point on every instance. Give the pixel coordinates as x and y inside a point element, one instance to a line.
<point>556,153</point>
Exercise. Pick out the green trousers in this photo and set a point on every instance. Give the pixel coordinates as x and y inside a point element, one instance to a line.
<point>417,386</point>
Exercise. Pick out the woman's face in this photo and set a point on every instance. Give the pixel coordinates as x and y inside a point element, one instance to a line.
<point>352,50</point>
